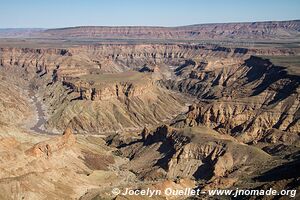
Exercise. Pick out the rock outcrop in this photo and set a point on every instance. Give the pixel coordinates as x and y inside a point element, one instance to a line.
<point>193,153</point>
<point>109,86</point>
<point>48,147</point>
<point>244,99</point>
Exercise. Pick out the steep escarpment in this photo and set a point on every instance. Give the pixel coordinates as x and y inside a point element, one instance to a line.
<point>106,86</point>
<point>242,98</point>
<point>53,71</point>
<point>55,63</point>
<point>199,157</point>
<point>190,153</point>
<point>117,58</point>
<point>97,73</point>
<point>14,105</point>
<point>110,104</point>
<point>256,30</point>
<point>74,61</point>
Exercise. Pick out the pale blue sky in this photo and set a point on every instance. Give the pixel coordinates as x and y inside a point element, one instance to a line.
<point>65,13</point>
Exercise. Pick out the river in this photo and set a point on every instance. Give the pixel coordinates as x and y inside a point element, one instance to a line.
<point>38,127</point>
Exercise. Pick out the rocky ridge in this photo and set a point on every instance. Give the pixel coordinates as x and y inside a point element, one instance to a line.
<point>256,30</point>
<point>240,99</point>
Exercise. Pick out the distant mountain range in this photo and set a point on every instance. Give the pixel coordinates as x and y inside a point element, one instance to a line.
<point>274,30</point>
<point>19,32</point>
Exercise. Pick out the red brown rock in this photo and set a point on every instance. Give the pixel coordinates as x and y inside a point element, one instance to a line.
<point>48,147</point>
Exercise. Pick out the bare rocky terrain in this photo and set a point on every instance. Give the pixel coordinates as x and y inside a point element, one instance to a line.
<point>256,30</point>
<point>88,109</point>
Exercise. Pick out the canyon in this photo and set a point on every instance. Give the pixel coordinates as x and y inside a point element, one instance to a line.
<point>163,107</point>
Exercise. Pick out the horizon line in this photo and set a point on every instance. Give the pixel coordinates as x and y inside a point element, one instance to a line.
<point>151,26</point>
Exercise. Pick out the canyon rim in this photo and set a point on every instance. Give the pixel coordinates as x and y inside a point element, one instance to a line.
<point>119,112</point>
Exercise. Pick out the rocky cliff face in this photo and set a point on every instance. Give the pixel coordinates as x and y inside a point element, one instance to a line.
<point>207,72</point>
<point>76,61</point>
<point>117,89</point>
<point>190,153</point>
<point>14,105</point>
<point>242,98</point>
<point>130,111</point>
<point>232,76</point>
